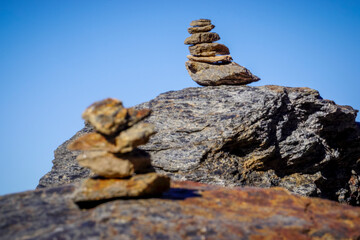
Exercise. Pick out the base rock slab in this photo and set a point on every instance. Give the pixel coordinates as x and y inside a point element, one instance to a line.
<point>188,211</point>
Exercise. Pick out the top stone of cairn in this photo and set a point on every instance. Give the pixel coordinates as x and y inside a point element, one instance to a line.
<point>109,116</point>
<point>200,22</point>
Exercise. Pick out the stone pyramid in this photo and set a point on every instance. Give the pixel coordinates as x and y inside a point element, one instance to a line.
<point>210,64</point>
<point>120,169</point>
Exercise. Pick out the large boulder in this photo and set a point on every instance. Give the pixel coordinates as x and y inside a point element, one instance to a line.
<point>240,135</point>
<point>188,211</point>
<point>206,74</point>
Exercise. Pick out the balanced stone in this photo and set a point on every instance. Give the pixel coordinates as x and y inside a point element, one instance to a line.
<point>200,22</point>
<point>214,59</point>
<point>92,142</point>
<point>135,136</point>
<point>109,116</point>
<point>126,141</point>
<point>223,74</point>
<point>143,185</point>
<point>110,165</point>
<point>208,49</point>
<point>206,28</point>
<point>106,164</point>
<point>203,37</point>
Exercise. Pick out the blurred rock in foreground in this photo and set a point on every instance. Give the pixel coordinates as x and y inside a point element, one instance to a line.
<point>188,211</point>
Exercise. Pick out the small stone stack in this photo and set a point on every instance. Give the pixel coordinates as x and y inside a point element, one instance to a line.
<point>210,64</point>
<point>121,170</point>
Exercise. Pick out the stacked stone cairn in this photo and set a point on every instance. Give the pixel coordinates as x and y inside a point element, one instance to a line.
<point>210,64</point>
<point>119,169</point>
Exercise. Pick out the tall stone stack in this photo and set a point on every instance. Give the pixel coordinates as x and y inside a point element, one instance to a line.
<point>121,170</point>
<point>210,63</point>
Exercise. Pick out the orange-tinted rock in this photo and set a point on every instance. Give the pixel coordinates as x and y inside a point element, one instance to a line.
<point>204,37</point>
<point>106,116</point>
<point>205,28</point>
<point>125,142</point>
<point>214,59</point>
<point>142,185</point>
<point>92,142</point>
<point>109,116</point>
<point>208,49</point>
<point>135,116</point>
<point>200,22</point>
<point>187,211</point>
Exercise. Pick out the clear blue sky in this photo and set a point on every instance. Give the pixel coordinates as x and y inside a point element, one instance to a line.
<point>58,57</point>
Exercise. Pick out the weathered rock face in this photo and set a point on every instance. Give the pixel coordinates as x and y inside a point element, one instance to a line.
<point>188,211</point>
<point>240,135</point>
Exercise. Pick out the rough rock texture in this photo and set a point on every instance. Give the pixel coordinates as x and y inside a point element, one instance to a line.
<point>219,74</point>
<point>142,185</point>
<point>208,49</point>
<point>206,37</point>
<point>65,168</point>
<point>240,135</point>
<point>214,59</point>
<point>188,211</point>
<point>205,28</point>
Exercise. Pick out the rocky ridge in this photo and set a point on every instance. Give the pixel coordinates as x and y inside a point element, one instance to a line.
<point>210,63</point>
<point>247,136</point>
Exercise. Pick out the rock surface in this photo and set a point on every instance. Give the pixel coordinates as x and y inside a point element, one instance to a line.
<point>205,28</point>
<point>208,49</point>
<point>219,74</point>
<point>188,211</point>
<point>240,135</point>
<point>214,59</point>
<point>205,37</point>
